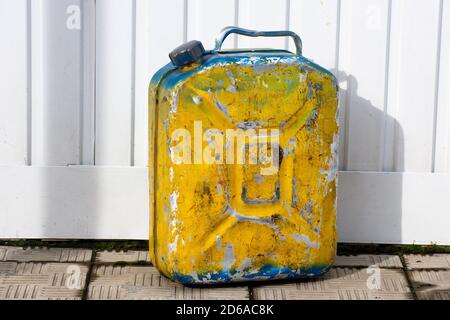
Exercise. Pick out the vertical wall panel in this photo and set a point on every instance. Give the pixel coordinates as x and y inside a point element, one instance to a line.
<point>36,107</point>
<point>207,18</point>
<point>263,15</point>
<point>114,81</point>
<point>317,24</point>
<point>167,30</point>
<point>87,119</point>
<point>442,156</point>
<point>13,83</point>
<point>363,51</point>
<point>412,83</point>
<point>142,79</point>
<point>159,29</point>
<point>56,116</point>
<point>393,134</point>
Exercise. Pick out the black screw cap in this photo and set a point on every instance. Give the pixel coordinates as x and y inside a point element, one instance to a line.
<point>187,53</point>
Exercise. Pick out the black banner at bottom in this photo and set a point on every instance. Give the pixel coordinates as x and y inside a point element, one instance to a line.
<point>217,309</point>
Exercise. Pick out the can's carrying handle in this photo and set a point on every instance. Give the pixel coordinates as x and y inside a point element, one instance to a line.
<point>252,33</point>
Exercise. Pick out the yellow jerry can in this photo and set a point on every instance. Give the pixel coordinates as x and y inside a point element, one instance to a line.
<point>243,164</point>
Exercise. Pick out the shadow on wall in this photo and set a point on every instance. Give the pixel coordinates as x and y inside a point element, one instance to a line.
<point>369,125</point>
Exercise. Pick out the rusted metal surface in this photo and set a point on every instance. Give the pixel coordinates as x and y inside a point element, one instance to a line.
<point>243,156</point>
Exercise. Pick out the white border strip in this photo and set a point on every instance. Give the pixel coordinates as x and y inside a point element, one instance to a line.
<point>112,203</point>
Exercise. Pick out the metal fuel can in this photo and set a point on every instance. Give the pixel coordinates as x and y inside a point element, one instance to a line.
<point>243,164</point>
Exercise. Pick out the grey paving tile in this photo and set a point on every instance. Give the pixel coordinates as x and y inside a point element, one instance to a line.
<point>436,261</point>
<point>121,256</point>
<point>431,284</point>
<point>146,283</point>
<point>2,253</point>
<point>42,281</point>
<point>342,284</point>
<point>367,260</point>
<point>44,254</point>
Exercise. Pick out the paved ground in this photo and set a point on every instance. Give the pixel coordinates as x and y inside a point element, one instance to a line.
<point>55,273</point>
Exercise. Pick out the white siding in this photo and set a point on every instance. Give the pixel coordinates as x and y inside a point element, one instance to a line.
<point>324,15</point>
<point>72,96</point>
<point>262,15</point>
<point>57,78</point>
<point>362,65</point>
<point>114,82</point>
<point>413,66</point>
<point>442,140</point>
<point>205,26</point>
<point>14,95</point>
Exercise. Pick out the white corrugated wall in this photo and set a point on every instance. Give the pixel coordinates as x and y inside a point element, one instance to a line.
<point>73,108</point>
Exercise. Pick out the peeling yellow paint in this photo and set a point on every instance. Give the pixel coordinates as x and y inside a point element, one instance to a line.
<point>201,222</point>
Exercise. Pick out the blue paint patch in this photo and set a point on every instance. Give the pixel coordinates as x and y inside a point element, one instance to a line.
<point>265,273</point>
<point>169,76</point>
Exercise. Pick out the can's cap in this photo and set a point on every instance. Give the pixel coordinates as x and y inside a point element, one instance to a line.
<point>187,53</point>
